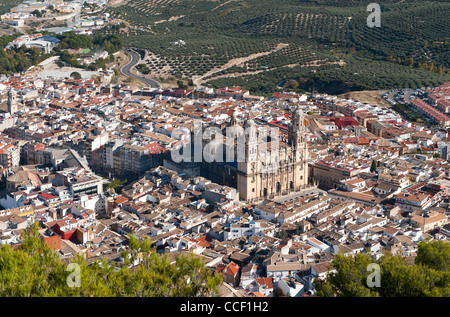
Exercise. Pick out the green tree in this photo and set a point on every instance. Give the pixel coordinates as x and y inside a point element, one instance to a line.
<point>75,75</point>
<point>181,84</point>
<point>292,83</point>
<point>401,280</point>
<point>428,277</point>
<point>115,184</point>
<point>349,280</point>
<point>37,13</point>
<point>282,234</point>
<point>435,255</point>
<point>373,167</point>
<point>143,68</point>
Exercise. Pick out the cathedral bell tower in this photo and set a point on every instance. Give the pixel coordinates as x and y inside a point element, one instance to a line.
<point>248,168</point>
<point>297,134</point>
<point>12,101</point>
<point>299,149</point>
<point>297,129</point>
<point>251,140</point>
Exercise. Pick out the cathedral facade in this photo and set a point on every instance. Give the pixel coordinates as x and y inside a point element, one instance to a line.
<point>264,164</point>
<point>280,169</point>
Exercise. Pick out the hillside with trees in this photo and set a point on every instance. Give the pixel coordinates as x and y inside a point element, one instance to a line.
<point>329,47</point>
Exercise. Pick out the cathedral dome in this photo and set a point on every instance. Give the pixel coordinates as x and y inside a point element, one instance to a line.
<point>233,128</point>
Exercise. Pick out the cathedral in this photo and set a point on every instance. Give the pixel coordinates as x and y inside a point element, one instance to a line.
<point>278,171</point>
<point>264,165</point>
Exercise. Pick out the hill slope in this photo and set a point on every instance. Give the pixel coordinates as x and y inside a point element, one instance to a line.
<point>326,45</point>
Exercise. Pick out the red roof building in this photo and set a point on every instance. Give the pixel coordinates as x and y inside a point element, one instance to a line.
<point>344,122</point>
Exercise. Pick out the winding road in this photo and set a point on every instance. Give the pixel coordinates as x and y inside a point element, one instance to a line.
<point>135,59</point>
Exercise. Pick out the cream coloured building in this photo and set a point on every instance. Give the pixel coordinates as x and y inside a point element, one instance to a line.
<point>429,222</point>
<point>273,171</point>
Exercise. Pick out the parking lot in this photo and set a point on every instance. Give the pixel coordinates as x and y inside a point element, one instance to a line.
<point>402,95</point>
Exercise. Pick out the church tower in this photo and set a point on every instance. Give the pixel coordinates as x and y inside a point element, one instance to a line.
<point>251,140</point>
<point>248,168</point>
<point>12,101</point>
<point>297,139</point>
<point>297,131</point>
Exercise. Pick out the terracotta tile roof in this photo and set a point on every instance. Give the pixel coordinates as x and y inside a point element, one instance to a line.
<point>267,281</point>
<point>231,269</point>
